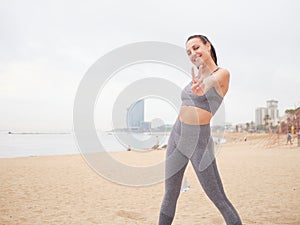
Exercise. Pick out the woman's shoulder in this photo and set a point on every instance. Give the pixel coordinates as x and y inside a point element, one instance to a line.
<point>222,75</point>
<point>223,72</point>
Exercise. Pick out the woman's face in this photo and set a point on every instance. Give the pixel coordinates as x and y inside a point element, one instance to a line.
<point>197,51</point>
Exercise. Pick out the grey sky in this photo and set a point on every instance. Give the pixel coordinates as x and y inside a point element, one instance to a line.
<point>47,46</point>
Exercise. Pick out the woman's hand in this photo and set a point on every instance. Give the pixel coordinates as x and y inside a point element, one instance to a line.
<point>201,84</point>
<point>198,86</point>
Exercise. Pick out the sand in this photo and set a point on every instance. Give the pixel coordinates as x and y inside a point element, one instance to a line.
<point>261,177</point>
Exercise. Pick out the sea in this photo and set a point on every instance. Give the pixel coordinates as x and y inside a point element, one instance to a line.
<point>28,144</point>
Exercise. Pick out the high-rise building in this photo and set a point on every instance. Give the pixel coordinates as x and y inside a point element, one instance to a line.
<point>135,114</point>
<point>271,111</point>
<point>260,114</point>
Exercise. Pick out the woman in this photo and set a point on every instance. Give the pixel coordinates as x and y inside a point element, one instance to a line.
<point>190,138</point>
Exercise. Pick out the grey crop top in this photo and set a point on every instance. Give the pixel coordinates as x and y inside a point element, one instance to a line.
<point>210,101</point>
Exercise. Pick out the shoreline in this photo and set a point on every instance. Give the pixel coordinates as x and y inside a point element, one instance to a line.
<point>263,140</point>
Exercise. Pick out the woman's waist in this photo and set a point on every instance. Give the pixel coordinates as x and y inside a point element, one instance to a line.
<point>194,115</point>
<point>182,129</point>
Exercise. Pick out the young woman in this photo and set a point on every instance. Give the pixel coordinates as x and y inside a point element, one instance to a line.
<point>191,139</point>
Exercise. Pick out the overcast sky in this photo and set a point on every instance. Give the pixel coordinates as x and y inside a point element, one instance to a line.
<point>46,47</point>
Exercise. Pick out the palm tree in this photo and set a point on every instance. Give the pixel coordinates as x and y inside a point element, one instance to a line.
<point>252,124</point>
<point>247,126</point>
<point>266,119</point>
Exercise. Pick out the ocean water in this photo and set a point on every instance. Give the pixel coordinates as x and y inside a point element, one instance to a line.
<point>42,144</point>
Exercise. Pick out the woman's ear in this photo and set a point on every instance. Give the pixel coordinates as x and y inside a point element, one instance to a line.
<point>208,45</point>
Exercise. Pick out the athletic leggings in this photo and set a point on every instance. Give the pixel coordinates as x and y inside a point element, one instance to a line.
<point>193,142</point>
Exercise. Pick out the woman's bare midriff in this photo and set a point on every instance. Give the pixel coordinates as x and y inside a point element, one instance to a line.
<point>194,115</point>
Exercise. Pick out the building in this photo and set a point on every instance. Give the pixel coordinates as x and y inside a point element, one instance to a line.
<point>260,114</point>
<point>145,126</point>
<point>273,112</point>
<point>135,115</point>
<point>269,114</point>
<point>136,121</point>
<point>291,121</point>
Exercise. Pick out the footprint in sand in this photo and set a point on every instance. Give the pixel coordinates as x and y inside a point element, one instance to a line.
<point>130,215</point>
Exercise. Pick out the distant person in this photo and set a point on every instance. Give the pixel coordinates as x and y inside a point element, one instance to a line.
<point>190,138</point>
<point>289,138</point>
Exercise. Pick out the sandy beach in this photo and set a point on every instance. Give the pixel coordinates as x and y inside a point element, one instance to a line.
<point>260,176</point>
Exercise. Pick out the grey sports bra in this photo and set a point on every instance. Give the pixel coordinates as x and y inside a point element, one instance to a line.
<point>210,101</point>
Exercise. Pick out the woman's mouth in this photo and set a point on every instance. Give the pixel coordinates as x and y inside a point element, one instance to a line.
<point>198,59</point>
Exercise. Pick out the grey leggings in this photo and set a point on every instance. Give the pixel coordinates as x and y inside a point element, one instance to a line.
<point>193,142</point>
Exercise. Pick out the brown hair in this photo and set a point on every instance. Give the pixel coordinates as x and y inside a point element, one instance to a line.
<point>204,41</point>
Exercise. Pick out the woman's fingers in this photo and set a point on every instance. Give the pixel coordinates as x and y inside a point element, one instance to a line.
<point>197,88</point>
<point>193,75</point>
<point>202,87</point>
<point>198,83</point>
<point>199,70</point>
<point>194,86</point>
<point>200,80</point>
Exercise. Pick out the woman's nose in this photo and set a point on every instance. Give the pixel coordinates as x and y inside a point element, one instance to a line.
<point>193,54</point>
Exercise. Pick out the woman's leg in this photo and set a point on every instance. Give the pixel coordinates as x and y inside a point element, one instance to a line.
<point>172,191</point>
<point>211,182</point>
<point>176,164</point>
